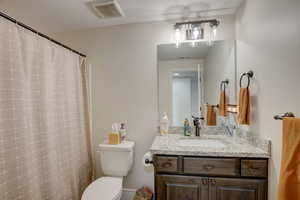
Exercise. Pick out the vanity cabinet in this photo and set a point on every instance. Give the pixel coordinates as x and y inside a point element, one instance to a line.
<point>174,187</point>
<point>237,189</point>
<point>210,178</point>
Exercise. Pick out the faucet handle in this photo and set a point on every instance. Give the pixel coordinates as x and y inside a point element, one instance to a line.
<point>198,118</point>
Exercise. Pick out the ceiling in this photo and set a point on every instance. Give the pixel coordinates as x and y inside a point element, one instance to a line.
<point>68,15</point>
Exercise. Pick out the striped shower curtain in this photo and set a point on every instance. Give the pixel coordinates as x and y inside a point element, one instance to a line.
<point>45,149</point>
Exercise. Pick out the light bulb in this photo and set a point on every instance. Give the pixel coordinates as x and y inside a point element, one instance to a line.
<point>195,33</point>
<point>177,34</point>
<point>209,35</point>
<point>177,37</point>
<point>214,32</point>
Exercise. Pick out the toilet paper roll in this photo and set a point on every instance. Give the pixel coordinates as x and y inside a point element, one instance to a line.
<point>147,159</point>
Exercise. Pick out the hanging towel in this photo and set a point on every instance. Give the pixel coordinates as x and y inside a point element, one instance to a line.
<point>244,106</point>
<point>223,105</point>
<point>289,182</point>
<point>211,116</point>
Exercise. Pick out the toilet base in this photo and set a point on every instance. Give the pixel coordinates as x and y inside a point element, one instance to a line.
<point>106,188</point>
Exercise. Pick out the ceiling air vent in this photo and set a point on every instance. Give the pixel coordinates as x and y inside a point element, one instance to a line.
<point>107,9</point>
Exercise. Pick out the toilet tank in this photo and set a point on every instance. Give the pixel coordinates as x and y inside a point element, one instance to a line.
<point>116,160</point>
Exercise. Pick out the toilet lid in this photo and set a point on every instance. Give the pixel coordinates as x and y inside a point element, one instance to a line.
<point>105,188</point>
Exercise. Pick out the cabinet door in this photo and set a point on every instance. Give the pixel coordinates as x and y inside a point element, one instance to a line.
<point>237,189</point>
<point>173,187</point>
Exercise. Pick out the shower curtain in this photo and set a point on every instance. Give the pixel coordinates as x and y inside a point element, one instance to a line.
<point>45,149</point>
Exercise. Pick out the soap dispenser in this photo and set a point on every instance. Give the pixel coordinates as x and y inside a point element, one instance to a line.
<point>164,124</point>
<point>187,130</point>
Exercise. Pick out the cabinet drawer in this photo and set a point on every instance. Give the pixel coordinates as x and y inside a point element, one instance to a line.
<point>166,163</point>
<point>212,166</point>
<point>254,168</point>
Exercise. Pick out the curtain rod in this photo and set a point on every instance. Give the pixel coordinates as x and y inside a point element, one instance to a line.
<point>38,33</point>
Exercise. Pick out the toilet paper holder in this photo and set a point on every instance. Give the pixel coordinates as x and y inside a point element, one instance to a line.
<point>147,161</point>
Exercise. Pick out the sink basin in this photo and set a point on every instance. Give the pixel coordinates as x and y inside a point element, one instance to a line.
<point>205,143</point>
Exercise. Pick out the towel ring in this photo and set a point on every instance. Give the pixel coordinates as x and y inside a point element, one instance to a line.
<point>223,84</point>
<point>249,75</point>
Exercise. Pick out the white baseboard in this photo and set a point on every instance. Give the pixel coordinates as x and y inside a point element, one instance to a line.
<point>128,194</point>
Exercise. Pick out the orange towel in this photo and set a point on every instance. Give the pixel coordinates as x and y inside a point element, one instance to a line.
<point>244,106</point>
<point>211,119</point>
<point>223,105</point>
<point>289,182</point>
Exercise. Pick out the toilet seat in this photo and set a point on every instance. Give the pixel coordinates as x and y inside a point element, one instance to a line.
<point>105,188</point>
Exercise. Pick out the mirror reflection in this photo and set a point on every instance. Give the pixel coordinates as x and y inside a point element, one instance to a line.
<point>190,76</point>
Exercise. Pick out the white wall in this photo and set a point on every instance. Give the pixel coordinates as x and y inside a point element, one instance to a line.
<point>268,34</point>
<point>124,78</point>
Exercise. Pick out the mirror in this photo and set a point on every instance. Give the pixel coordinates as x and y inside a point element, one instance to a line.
<point>189,77</point>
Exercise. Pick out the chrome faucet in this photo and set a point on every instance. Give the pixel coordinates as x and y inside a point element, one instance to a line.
<point>197,124</point>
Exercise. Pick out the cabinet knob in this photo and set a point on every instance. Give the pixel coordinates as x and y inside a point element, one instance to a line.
<point>208,167</point>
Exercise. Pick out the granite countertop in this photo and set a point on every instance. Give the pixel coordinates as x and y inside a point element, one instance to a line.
<point>211,145</point>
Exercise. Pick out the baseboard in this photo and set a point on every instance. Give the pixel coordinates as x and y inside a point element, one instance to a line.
<point>128,194</point>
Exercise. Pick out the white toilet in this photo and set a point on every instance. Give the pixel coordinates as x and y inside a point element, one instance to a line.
<point>116,161</point>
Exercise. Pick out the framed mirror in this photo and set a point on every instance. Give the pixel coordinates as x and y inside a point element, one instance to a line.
<point>190,76</point>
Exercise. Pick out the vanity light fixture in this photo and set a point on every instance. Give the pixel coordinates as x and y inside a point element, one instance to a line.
<point>177,36</point>
<point>193,31</point>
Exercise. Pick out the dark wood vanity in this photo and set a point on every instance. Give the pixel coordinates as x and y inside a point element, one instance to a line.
<point>210,178</point>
